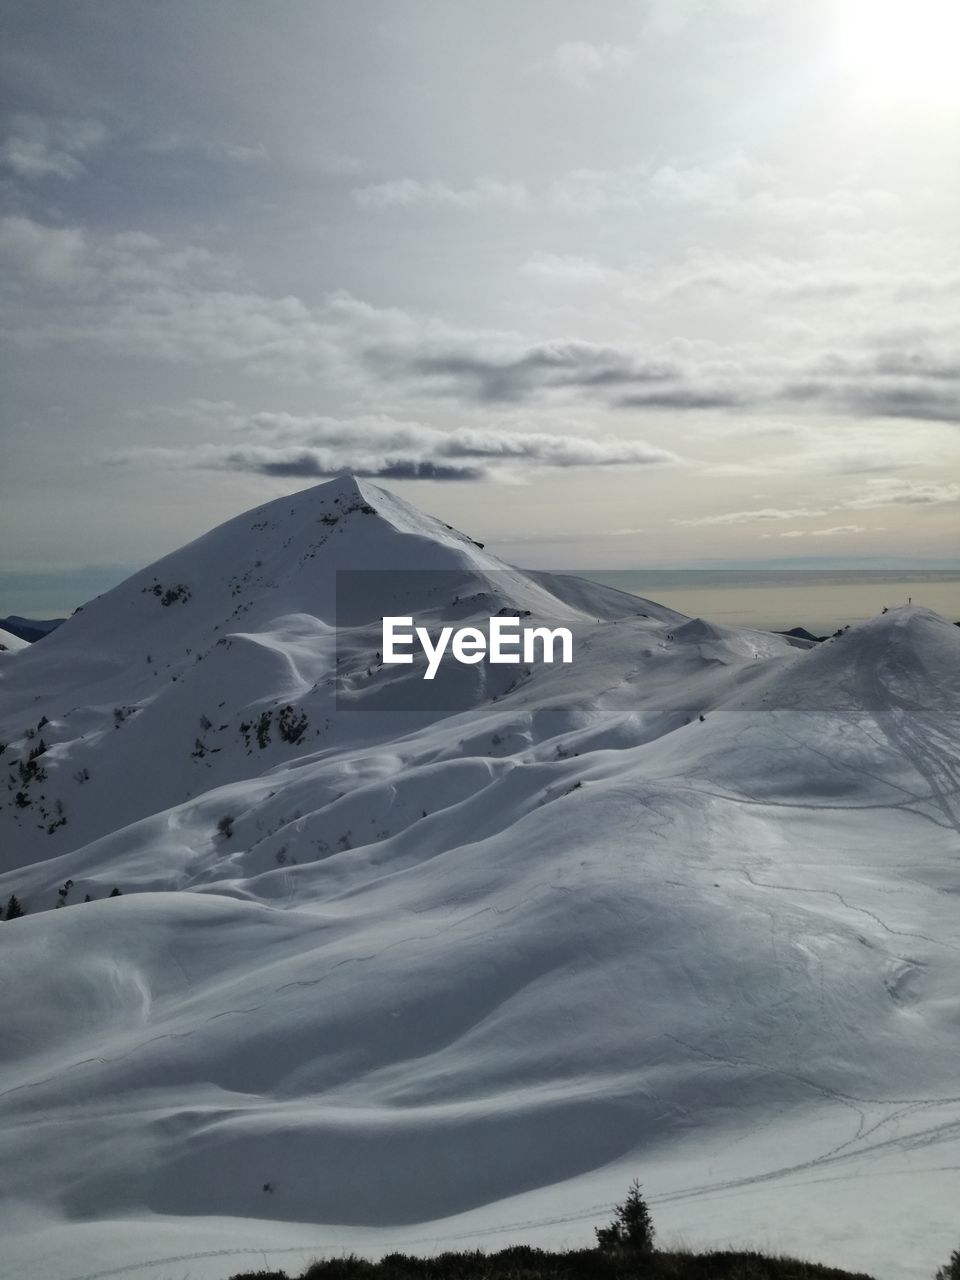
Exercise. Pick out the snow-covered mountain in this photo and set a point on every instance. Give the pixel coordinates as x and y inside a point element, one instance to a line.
<point>380,978</point>
<point>11,643</point>
<point>30,629</point>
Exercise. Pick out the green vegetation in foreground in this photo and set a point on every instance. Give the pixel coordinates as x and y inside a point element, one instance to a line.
<point>524,1263</point>
<point>625,1251</point>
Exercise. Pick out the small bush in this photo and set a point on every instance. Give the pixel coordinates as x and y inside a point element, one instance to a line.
<point>292,726</point>
<point>262,729</point>
<point>348,1268</point>
<point>262,1275</point>
<point>225,826</point>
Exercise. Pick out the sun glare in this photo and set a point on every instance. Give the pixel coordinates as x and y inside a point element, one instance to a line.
<point>902,48</point>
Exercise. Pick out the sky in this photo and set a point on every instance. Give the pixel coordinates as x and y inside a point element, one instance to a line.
<point>645,283</point>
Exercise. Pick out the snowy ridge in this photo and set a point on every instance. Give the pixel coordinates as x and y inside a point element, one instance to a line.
<point>9,643</point>
<point>480,967</point>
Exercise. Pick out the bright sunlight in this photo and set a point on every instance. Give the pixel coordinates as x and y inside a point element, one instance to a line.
<point>903,48</point>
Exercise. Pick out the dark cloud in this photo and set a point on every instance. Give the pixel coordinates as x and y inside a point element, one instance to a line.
<point>684,398</point>
<point>410,470</point>
<point>511,378</point>
<point>283,444</point>
<point>911,386</point>
<point>917,402</point>
<point>310,465</point>
<point>914,385</point>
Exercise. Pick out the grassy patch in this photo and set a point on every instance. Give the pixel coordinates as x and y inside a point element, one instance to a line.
<point>524,1263</point>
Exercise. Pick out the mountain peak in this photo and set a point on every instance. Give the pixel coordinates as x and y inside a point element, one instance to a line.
<point>345,487</point>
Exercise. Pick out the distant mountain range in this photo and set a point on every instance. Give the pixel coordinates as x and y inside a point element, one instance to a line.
<point>30,629</point>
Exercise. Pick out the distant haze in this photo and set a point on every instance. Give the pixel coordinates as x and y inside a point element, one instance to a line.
<point>818,600</point>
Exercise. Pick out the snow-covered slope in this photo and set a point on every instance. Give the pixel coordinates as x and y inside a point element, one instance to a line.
<point>30,629</point>
<point>9,643</point>
<point>380,978</point>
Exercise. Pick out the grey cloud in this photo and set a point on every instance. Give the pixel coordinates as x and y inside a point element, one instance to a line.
<point>570,269</point>
<point>550,450</point>
<point>425,470</point>
<point>580,64</point>
<point>286,445</point>
<point>734,186</point>
<point>873,395</point>
<point>684,398</point>
<point>919,364</point>
<point>39,147</point>
<point>838,531</point>
<point>44,255</point>
<point>311,464</point>
<point>894,491</point>
<point>750,517</point>
<point>891,383</point>
<point>512,378</point>
<point>129,293</point>
<point>916,402</point>
<point>408,193</point>
<point>244,153</point>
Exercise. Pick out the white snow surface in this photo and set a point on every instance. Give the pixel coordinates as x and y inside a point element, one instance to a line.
<point>454,979</point>
<point>9,643</point>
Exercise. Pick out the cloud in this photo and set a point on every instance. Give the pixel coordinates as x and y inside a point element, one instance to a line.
<point>870,392</point>
<point>685,397</point>
<point>878,492</point>
<point>839,531</point>
<point>894,491</point>
<point>580,65</point>
<point>500,369</point>
<point>46,255</point>
<point>408,193</point>
<point>555,365</point>
<point>235,152</point>
<point>313,463</point>
<point>568,535</point>
<point>40,147</point>
<point>672,17</point>
<point>282,444</point>
<point>750,517</point>
<point>129,293</point>
<point>726,186</point>
<point>312,156</point>
<point>735,188</point>
<point>567,269</point>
